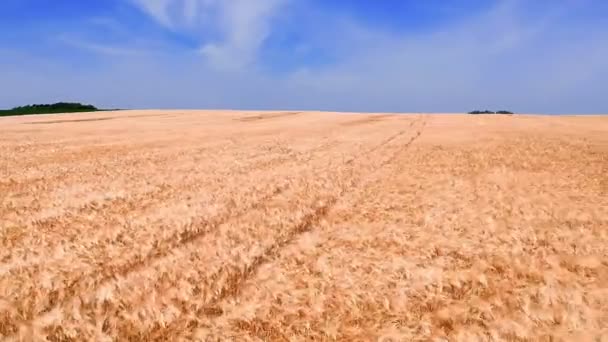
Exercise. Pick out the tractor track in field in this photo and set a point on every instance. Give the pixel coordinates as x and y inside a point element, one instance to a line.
<point>103,118</point>
<point>259,117</point>
<point>309,220</point>
<point>202,226</point>
<point>368,120</point>
<point>162,193</point>
<point>236,280</point>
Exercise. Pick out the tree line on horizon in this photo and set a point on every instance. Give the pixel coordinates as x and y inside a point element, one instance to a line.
<point>490,112</point>
<point>59,107</point>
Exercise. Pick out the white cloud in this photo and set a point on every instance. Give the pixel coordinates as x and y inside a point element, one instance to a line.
<point>157,9</point>
<point>243,25</point>
<point>105,49</point>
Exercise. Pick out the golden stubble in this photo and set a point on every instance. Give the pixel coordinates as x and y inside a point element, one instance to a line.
<point>226,225</point>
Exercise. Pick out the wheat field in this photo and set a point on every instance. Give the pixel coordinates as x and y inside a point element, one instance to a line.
<point>294,226</point>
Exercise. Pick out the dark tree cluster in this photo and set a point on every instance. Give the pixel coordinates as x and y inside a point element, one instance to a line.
<point>59,107</point>
<point>490,112</point>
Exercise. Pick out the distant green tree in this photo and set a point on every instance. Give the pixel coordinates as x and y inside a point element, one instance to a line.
<point>489,112</point>
<point>59,107</point>
<point>481,112</point>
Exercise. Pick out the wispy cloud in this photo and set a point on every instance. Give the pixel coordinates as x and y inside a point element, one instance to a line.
<point>99,48</point>
<point>159,10</point>
<point>242,25</point>
<point>107,24</point>
<point>245,25</point>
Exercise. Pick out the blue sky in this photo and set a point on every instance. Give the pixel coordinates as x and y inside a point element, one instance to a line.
<point>541,56</point>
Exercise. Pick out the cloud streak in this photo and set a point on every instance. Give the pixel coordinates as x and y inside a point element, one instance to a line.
<point>243,26</point>
<point>159,10</point>
<point>104,49</point>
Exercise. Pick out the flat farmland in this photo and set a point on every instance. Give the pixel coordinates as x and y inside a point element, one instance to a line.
<point>293,226</point>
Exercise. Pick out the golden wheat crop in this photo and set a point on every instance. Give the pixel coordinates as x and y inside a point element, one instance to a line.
<point>226,225</point>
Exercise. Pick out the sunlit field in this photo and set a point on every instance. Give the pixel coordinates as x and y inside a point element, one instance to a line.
<point>293,226</point>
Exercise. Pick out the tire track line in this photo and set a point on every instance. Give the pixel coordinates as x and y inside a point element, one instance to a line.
<point>216,311</point>
<point>114,206</point>
<point>369,119</point>
<point>99,277</point>
<point>237,280</point>
<point>165,191</point>
<point>195,231</point>
<point>117,205</point>
<point>266,116</point>
<point>319,213</point>
<point>21,186</point>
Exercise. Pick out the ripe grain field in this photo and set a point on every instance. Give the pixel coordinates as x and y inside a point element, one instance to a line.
<point>289,226</point>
